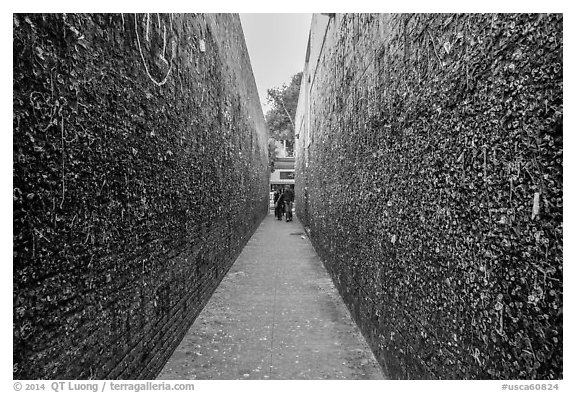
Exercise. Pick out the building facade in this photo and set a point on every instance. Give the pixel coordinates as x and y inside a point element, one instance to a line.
<point>283,174</point>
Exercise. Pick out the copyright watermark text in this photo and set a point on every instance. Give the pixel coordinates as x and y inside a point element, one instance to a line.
<point>101,386</point>
<point>530,386</point>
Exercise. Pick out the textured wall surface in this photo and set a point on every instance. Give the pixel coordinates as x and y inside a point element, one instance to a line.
<point>140,171</point>
<point>429,170</point>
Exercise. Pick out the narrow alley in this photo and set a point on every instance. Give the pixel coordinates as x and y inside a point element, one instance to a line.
<point>275,315</point>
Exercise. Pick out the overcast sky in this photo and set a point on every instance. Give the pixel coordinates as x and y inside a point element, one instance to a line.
<point>277,47</point>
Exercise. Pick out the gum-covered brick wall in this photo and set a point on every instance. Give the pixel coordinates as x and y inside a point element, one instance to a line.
<point>430,176</point>
<point>140,171</point>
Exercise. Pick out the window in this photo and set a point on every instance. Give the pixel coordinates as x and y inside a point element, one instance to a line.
<point>287,175</point>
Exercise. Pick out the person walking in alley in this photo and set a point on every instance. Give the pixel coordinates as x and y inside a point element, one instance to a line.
<point>288,201</point>
<point>278,204</point>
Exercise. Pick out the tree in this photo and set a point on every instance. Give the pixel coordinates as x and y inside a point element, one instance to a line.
<point>280,118</point>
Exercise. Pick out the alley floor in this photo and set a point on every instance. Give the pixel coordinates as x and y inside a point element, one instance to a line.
<point>276,315</point>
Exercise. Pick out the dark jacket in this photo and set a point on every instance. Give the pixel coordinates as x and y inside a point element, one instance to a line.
<point>288,195</point>
<point>281,199</point>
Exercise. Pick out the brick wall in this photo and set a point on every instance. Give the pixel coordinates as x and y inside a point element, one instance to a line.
<point>140,171</point>
<point>429,170</point>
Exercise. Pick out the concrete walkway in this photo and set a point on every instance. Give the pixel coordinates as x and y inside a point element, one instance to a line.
<point>276,315</point>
